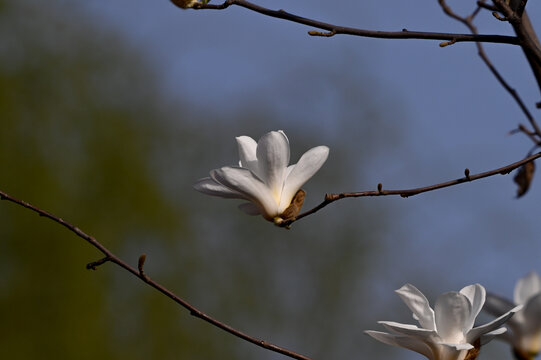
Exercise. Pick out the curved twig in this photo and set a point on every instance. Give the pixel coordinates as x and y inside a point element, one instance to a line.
<point>330,198</point>
<point>110,257</point>
<point>335,29</point>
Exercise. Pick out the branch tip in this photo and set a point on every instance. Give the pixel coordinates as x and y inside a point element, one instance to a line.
<point>93,265</point>
<point>513,132</point>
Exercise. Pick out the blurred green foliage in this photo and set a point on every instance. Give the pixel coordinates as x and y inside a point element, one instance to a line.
<point>85,134</point>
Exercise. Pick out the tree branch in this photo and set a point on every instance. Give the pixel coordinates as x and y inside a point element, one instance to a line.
<point>528,39</point>
<point>335,29</point>
<point>110,257</point>
<point>330,198</point>
<point>468,21</point>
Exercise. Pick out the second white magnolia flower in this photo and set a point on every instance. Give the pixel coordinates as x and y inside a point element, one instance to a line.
<point>447,331</point>
<point>263,176</point>
<point>525,326</point>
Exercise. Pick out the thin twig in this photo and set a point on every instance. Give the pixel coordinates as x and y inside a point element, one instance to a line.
<point>468,22</point>
<point>110,257</point>
<point>94,264</point>
<point>330,198</point>
<point>530,134</point>
<point>335,29</point>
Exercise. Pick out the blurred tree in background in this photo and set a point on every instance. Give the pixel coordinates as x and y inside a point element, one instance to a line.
<point>86,134</point>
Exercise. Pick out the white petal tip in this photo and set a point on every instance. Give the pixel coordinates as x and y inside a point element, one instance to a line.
<point>405,288</point>
<point>211,187</point>
<point>516,308</point>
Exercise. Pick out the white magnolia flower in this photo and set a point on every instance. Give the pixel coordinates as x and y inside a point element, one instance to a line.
<point>263,176</point>
<point>447,331</point>
<point>525,326</point>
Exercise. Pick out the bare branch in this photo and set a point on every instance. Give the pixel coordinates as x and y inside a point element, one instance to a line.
<point>530,134</point>
<point>468,21</point>
<point>110,257</point>
<point>518,6</point>
<point>335,29</point>
<point>523,28</point>
<point>330,198</point>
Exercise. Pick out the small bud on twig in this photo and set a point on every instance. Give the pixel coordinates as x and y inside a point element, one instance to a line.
<point>320,33</point>
<point>140,266</point>
<point>447,43</point>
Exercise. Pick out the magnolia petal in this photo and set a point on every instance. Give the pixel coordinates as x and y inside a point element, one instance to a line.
<point>452,311</point>
<point>418,304</point>
<point>506,336</point>
<point>476,294</point>
<point>409,330</point>
<point>247,153</point>
<point>532,315</point>
<point>403,341</point>
<point>285,136</point>
<point>485,338</point>
<point>288,171</point>
<point>246,183</point>
<point>250,209</point>
<point>476,332</point>
<point>458,347</point>
<point>273,156</point>
<point>309,163</point>
<point>210,187</point>
<point>527,287</point>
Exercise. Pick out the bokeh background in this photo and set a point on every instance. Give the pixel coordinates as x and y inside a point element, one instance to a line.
<point>110,110</point>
